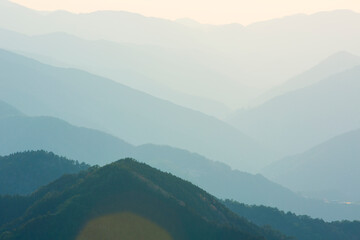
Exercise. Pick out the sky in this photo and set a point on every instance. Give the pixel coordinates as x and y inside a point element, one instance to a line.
<point>204,11</point>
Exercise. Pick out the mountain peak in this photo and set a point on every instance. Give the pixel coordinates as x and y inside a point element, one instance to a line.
<point>127,186</point>
<point>340,57</point>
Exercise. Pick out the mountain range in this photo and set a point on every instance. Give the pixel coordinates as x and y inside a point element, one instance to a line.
<point>332,65</point>
<point>299,120</point>
<point>328,171</point>
<point>90,101</point>
<point>261,54</point>
<point>20,209</point>
<point>133,200</point>
<point>22,133</point>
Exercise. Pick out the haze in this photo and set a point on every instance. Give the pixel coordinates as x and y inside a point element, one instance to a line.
<point>212,12</point>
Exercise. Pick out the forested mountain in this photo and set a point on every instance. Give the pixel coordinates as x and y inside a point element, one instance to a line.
<point>300,227</point>
<point>299,120</point>
<point>219,180</point>
<point>91,101</point>
<point>328,171</point>
<point>76,207</point>
<point>214,177</point>
<point>23,173</point>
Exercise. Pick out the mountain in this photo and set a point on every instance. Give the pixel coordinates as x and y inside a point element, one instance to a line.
<point>87,100</point>
<point>154,65</point>
<point>327,171</point>
<point>23,173</point>
<point>7,110</point>
<point>214,177</point>
<point>225,183</point>
<point>262,54</point>
<point>19,132</point>
<point>120,197</point>
<point>22,133</point>
<point>161,72</point>
<point>300,227</point>
<point>334,64</point>
<point>297,121</point>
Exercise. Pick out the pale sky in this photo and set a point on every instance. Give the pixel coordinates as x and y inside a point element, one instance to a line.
<point>204,11</point>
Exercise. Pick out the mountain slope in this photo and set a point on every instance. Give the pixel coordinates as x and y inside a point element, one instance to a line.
<point>327,171</point>
<point>63,209</point>
<point>7,110</point>
<point>23,173</point>
<point>94,102</point>
<point>300,227</point>
<point>262,54</point>
<point>22,133</point>
<point>161,72</point>
<point>51,134</point>
<point>334,64</point>
<point>299,120</point>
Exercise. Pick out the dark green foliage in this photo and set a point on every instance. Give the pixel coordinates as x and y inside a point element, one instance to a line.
<point>63,207</point>
<point>23,173</point>
<point>12,207</point>
<point>301,227</point>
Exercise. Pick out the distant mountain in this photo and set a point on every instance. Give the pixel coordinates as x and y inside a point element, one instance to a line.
<point>327,171</point>
<point>299,120</point>
<point>262,54</point>
<point>300,227</point>
<point>129,200</point>
<point>8,111</point>
<point>214,177</point>
<point>94,102</point>
<point>158,71</point>
<point>23,173</point>
<point>334,64</point>
<point>167,56</point>
<point>22,133</point>
<point>219,180</point>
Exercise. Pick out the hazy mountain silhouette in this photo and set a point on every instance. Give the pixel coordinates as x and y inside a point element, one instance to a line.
<point>299,120</point>
<point>51,134</point>
<point>327,171</point>
<point>334,64</point>
<point>123,195</point>
<point>158,71</point>
<point>7,110</point>
<point>219,180</point>
<point>91,101</point>
<point>262,54</point>
<point>23,133</point>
